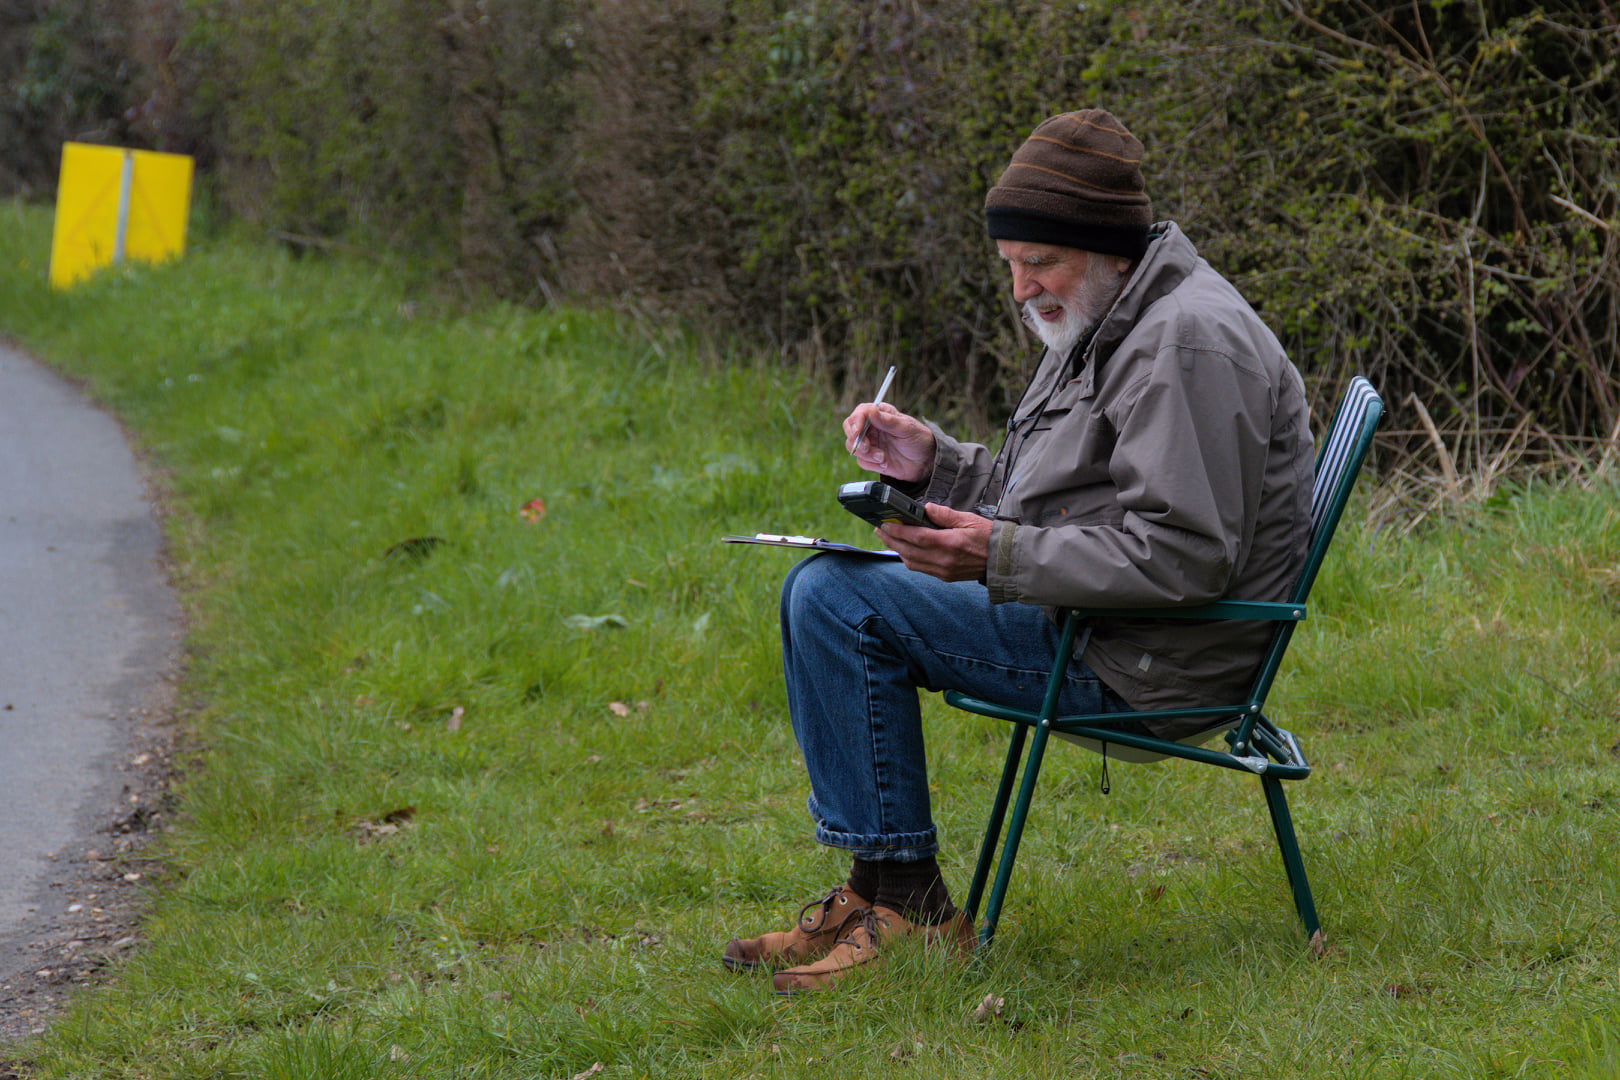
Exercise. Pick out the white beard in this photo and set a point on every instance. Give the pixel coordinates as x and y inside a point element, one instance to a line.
<point>1061,336</point>
<point>1082,309</point>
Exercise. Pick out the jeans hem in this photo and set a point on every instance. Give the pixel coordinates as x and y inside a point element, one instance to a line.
<point>899,847</point>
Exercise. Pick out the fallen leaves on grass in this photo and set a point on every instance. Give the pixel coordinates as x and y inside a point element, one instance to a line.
<point>415,547</point>
<point>597,622</point>
<point>907,1048</point>
<point>989,1009</point>
<point>644,805</point>
<point>993,1010</point>
<point>368,829</point>
<point>1402,991</point>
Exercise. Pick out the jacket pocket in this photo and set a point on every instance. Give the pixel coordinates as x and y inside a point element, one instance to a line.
<point>1056,412</point>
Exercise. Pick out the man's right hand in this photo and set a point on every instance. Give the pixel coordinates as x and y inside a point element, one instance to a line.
<point>897,445</point>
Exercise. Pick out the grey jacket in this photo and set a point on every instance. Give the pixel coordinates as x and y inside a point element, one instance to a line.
<point>1168,464</point>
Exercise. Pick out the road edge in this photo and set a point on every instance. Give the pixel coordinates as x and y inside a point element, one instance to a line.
<point>91,909</point>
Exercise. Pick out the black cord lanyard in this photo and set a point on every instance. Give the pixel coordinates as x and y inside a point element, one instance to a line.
<point>1072,364</point>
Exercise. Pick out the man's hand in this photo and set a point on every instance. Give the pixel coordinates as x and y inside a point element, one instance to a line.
<point>958,550</point>
<point>896,444</point>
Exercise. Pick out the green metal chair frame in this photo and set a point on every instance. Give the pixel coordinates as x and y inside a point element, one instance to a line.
<point>1254,743</point>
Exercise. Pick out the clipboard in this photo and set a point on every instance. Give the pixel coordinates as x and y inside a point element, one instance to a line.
<point>808,543</point>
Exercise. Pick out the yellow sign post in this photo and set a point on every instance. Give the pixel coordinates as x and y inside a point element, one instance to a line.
<point>114,204</point>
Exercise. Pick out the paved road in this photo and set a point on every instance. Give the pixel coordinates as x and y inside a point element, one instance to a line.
<point>88,629</point>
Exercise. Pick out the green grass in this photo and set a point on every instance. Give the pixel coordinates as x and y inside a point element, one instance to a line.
<point>558,879</point>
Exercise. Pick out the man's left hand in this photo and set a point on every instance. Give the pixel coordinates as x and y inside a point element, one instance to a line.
<point>958,550</point>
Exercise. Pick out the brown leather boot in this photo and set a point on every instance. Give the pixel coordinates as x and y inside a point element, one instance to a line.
<point>860,944</point>
<point>815,932</point>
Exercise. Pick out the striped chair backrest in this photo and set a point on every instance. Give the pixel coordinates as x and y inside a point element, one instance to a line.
<point>1349,437</point>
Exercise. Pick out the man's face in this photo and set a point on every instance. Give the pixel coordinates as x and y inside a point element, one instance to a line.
<point>1064,291</point>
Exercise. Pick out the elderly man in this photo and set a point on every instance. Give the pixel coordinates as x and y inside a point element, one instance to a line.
<point>1160,455</point>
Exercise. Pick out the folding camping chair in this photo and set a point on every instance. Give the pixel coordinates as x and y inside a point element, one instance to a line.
<point>1254,743</point>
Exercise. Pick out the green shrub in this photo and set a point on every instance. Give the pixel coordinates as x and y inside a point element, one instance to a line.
<point>62,75</point>
<point>393,123</point>
<point>1427,198</point>
<point>1423,193</point>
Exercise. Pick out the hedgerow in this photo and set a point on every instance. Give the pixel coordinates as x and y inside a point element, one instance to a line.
<point>1422,192</point>
<point>1426,193</point>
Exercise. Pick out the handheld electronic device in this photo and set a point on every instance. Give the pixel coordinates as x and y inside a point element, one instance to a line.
<point>880,504</point>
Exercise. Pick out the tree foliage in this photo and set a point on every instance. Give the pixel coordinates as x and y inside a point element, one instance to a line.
<point>1423,190</point>
<point>63,75</point>
<point>413,123</point>
<point>1426,193</point>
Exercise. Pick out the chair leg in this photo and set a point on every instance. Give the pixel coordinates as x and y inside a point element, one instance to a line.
<point>1283,825</point>
<point>998,815</point>
<point>1015,833</point>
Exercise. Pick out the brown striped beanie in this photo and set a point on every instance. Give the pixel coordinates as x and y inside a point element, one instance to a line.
<point>1076,182</point>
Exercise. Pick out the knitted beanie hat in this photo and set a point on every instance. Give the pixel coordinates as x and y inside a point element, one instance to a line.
<point>1076,182</point>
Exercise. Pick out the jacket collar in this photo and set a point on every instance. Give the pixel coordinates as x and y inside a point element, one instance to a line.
<point>1170,258</point>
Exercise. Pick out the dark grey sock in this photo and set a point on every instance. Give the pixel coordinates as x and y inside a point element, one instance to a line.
<point>916,890</point>
<point>864,878</point>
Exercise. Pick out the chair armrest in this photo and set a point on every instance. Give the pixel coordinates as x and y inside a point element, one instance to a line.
<point>1221,609</point>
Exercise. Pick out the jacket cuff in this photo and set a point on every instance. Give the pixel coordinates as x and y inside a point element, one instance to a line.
<point>998,571</point>
<point>947,467</point>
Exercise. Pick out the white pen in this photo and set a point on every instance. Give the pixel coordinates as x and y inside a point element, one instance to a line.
<point>884,389</point>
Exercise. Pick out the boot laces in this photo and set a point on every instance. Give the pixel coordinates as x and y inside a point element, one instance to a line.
<point>864,919</point>
<point>826,905</point>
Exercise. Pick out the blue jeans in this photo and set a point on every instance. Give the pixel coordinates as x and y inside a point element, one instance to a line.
<point>859,637</point>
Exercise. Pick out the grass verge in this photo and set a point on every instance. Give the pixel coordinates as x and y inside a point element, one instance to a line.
<point>485,782</point>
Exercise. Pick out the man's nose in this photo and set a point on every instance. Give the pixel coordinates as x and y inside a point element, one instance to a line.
<point>1024,287</point>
